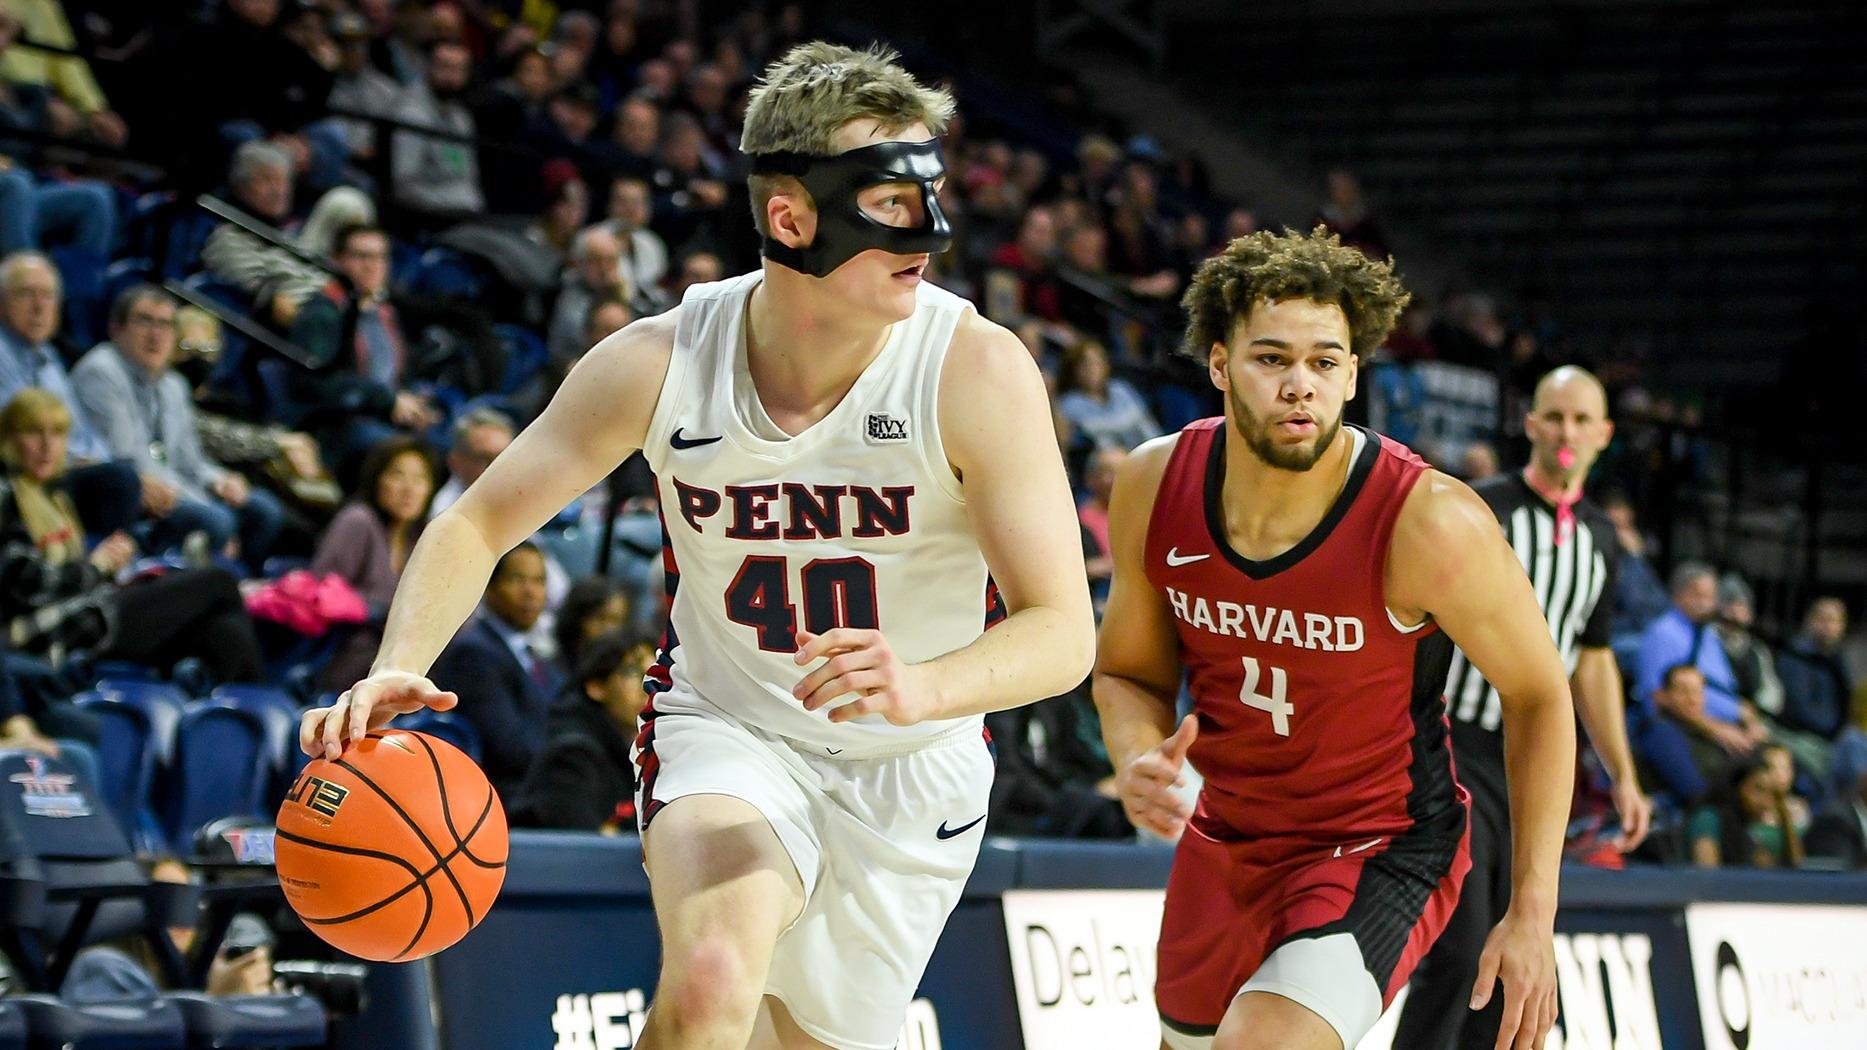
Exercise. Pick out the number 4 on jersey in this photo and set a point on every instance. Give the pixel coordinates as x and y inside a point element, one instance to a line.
<point>1280,708</point>
<point>838,592</point>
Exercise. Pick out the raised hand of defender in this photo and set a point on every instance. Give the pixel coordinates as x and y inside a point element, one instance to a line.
<point>1520,952</point>
<point>369,704</point>
<point>859,660</point>
<point>1148,785</point>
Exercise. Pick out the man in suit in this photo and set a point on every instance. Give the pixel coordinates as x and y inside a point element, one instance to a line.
<point>505,685</point>
<point>582,778</point>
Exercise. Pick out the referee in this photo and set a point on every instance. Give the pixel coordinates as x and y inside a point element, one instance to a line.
<point>1567,547</point>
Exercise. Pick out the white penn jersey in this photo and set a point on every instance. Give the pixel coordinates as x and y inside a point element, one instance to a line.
<point>858,521</point>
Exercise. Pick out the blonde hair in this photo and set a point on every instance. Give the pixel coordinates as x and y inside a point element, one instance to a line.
<point>804,98</point>
<point>33,407</point>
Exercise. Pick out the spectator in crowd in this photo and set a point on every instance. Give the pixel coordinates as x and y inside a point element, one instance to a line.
<point>107,494</point>
<point>1684,635</point>
<point>57,598</point>
<point>697,266</point>
<point>513,108</point>
<point>1751,663</point>
<point>1639,596</point>
<point>643,263</point>
<point>1105,410</point>
<point>479,436</point>
<point>1685,751</point>
<point>567,207</point>
<point>128,968</point>
<point>288,457</point>
<point>145,411</point>
<point>435,176</point>
<point>1345,212</point>
<point>1750,824</point>
<point>607,317</point>
<point>594,273</point>
<point>1469,331</point>
<point>1139,243</point>
<point>359,86</point>
<point>75,104</point>
<point>690,187</point>
<point>637,138</point>
<point>595,606</point>
<point>354,397</point>
<point>36,211</point>
<point>1030,261</point>
<point>1054,778</point>
<point>32,722</point>
<point>369,541</point>
<point>504,683</point>
<point>1839,834</point>
<point>1411,339</point>
<point>1093,513</point>
<point>1478,463</point>
<point>277,279</point>
<point>1818,686</point>
<point>582,778</point>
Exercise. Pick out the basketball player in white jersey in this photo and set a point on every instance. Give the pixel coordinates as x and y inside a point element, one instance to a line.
<point>843,452</point>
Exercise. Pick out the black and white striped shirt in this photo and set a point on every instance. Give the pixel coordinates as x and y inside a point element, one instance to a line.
<point>1574,583</point>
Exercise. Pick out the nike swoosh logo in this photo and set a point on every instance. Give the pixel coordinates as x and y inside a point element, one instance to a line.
<point>947,833</point>
<point>1176,559</point>
<point>834,750</point>
<point>686,442</point>
<point>1358,849</point>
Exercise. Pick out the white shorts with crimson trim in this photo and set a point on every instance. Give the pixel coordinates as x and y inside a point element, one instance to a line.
<point>883,845</point>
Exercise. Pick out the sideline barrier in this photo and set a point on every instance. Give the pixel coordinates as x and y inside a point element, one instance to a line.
<point>1052,948</point>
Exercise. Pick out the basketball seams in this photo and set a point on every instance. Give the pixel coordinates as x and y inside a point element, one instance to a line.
<point>419,880</point>
<point>419,833</point>
<point>391,912</point>
<point>447,811</point>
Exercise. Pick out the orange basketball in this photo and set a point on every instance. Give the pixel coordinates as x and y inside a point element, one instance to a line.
<point>395,850</point>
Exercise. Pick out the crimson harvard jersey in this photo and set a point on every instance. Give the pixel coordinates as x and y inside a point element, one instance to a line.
<point>1321,717</point>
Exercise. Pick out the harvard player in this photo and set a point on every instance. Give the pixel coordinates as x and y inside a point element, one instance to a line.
<point>1311,579</point>
<point>842,452</point>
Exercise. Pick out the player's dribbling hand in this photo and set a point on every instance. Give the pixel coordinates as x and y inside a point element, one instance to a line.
<point>1520,952</point>
<point>859,660</point>
<point>369,704</point>
<point>1148,784</point>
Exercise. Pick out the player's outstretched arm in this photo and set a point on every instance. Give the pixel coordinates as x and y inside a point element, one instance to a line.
<point>1450,561</point>
<point>995,425</point>
<point>597,419</point>
<point>1137,658</point>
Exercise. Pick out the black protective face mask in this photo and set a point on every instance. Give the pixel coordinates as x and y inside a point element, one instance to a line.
<point>843,229</point>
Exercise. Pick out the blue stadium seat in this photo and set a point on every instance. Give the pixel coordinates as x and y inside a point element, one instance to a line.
<point>161,701</point>
<point>525,355</point>
<point>12,1026</point>
<point>443,725</point>
<point>280,564</point>
<point>125,670</point>
<point>126,752</point>
<point>444,271</point>
<point>210,286</point>
<point>242,1021</point>
<point>124,274</point>
<point>129,1024</point>
<point>277,710</point>
<point>221,769</point>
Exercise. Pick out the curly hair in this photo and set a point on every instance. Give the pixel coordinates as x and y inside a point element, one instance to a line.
<point>1272,267</point>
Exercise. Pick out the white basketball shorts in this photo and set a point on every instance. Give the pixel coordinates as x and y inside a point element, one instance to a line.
<point>883,844</point>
